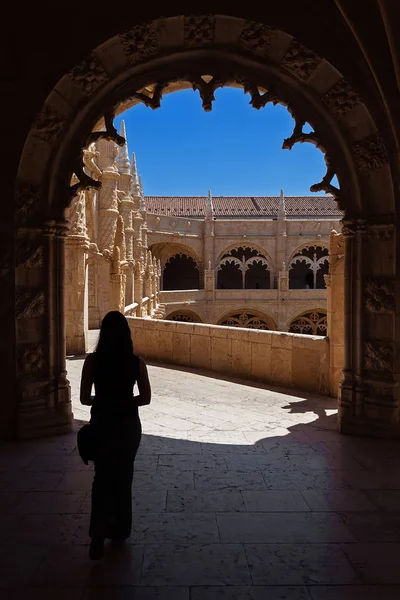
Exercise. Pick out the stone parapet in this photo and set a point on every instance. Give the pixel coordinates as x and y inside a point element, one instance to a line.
<point>285,359</point>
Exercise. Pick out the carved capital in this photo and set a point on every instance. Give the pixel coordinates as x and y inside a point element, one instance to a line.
<point>351,227</point>
<point>199,31</point>
<point>341,98</point>
<point>140,42</point>
<point>256,37</point>
<point>300,61</point>
<point>30,303</point>
<point>89,75</point>
<point>379,295</point>
<point>378,357</point>
<point>370,153</point>
<point>381,231</point>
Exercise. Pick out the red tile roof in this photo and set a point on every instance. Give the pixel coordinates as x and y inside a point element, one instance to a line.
<point>243,206</point>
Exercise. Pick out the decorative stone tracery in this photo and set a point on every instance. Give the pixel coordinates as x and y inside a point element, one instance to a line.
<point>247,320</point>
<point>313,323</point>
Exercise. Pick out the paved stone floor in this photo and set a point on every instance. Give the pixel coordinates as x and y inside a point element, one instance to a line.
<point>241,492</point>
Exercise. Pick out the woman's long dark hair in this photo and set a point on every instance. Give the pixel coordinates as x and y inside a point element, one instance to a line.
<point>115,340</point>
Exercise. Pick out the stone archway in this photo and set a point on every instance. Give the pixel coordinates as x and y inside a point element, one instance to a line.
<point>181,272</point>
<point>183,316</point>
<point>249,318</point>
<point>206,52</point>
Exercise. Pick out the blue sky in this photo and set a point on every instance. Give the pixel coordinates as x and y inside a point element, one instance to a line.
<point>234,150</point>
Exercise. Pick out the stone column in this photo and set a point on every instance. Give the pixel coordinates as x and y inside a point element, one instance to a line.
<point>280,240</point>
<point>43,391</point>
<point>148,282</point>
<point>335,310</point>
<point>117,282</point>
<point>155,282</point>
<point>76,278</point>
<point>108,195</point>
<point>283,287</point>
<point>368,398</point>
<point>138,290</point>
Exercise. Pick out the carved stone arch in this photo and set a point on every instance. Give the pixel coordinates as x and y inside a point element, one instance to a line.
<point>237,314</point>
<point>185,316</point>
<point>163,56</point>
<point>164,250</point>
<point>246,244</point>
<point>315,322</point>
<point>308,266</point>
<point>312,243</point>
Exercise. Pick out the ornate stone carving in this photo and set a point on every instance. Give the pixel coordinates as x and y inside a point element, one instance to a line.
<point>89,75</point>
<point>206,90</point>
<point>76,215</point>
<point>299,137</point>
<point>48,125</point>
<point>341,98</point>
<point>109,133</point>
<point>378,356</point>
<point>328,280</point>
<point>325,184</point>
<point>379,296</point>
<point>29,253</point>
<point>256,37</point>
<point>152,101</point>
<point>30,303</point>
<point>370,153</point>
<point>381,231</point>
<point>30,360</point>
<point>140,42</point>
<point>199,31</point>
<point>28,204</point>
<point>259,100</point>
<point>300,61</point>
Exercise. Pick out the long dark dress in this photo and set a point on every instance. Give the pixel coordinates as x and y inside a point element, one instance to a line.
<point>118,431</point>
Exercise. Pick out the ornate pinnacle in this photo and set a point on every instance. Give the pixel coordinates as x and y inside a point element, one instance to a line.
<point>135,179</point>
<point>209,206</point>
<point>142,202</point>
<point>282,207</point>
<point>122,160</point>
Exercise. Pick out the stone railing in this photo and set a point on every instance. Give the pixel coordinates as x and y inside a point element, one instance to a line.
<point>285,359</point>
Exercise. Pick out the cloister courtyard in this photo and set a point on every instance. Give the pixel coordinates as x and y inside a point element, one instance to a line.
<point>241,492</point>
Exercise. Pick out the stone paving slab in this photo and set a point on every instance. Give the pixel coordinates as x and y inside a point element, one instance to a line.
<point>241,492</point>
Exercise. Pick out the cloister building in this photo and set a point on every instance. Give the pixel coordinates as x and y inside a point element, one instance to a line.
<point>254,262</point>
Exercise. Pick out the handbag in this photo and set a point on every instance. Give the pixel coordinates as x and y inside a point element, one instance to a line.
<point>86,441</point>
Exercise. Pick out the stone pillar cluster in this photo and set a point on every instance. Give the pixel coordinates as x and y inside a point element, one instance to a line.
<point>108,263</point>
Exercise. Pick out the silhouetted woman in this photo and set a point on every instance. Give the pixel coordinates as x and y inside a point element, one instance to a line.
<point>113,369</point>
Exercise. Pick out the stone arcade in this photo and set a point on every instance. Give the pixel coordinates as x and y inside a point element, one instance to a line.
<point>347,94</point>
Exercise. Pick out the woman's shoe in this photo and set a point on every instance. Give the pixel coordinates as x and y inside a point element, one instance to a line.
<point>96,550</point>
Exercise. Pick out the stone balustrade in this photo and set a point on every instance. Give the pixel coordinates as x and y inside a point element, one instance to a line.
<point>285,359</point>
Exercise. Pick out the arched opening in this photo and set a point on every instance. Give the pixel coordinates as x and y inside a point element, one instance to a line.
<point>310,323</point>
<point>308,267</point>
<point>181,272</point>
<point>243,268</point>
<point>183,316</point>
<point>272,67</point>
<point>248,318</point>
